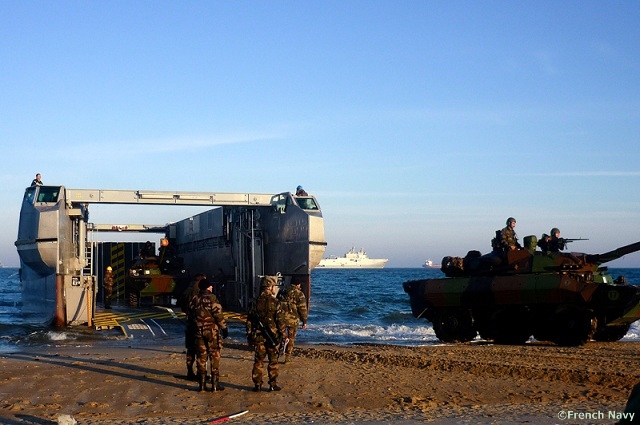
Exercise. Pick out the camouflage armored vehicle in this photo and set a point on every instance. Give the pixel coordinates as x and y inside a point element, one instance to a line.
<point>565,298</point>
<point>156,279</point>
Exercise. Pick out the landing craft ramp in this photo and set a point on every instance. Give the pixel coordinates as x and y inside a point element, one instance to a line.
<point>245,236</point>
<point>136,323</point>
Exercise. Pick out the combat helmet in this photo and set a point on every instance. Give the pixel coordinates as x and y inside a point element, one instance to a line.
<point>268,281</point>
<point>509,220</point>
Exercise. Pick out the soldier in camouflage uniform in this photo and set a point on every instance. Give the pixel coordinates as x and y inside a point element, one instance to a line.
<point>265,330</point>
<point>208,324</point>
<point>189,333</point>
<point>294,304</point>
<point>509,238</point>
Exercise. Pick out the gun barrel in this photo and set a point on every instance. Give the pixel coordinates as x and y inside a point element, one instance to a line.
<point>614,254</point>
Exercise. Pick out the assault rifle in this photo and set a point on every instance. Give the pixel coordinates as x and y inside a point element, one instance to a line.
<point>267,332</point>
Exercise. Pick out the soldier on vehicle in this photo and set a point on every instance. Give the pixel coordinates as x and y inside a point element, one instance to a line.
<point>207,322</point>
<point>107,282</point>
<point>508,237</point>
<point>301,192</point>
<point>552,242</point>
<point>265,330</point>
<point>189,334</point>
<point>294,304</point>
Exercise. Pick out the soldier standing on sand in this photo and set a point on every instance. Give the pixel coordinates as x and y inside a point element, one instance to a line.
<point>206,319</point>
<point>107,282</point>
<point>265,330</point>
<point>189,334</point>
<point>294,304</point>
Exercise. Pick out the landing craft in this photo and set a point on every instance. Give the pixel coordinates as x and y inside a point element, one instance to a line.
<point>565,298</point>
<point>247,236</point>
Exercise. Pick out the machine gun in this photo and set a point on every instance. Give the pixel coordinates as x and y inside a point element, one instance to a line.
<point>567,240</point>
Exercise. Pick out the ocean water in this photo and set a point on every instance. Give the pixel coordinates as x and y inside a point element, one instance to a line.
<point>347,307</point>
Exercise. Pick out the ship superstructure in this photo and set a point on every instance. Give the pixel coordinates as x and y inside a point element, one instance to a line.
<point>353,259</point>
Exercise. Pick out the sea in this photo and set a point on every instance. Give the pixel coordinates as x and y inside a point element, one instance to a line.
<point>347,307</point>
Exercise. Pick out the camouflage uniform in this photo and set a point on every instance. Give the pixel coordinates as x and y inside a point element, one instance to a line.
<point>208,325</point>
<point>294,304</point>
<point>108,288</point>
<point>189,333</point>
<point>267,309</point>
<point>509,238</point>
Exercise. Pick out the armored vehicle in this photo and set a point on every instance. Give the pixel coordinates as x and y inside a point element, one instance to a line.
<point>565,298</point>
<point>156,279</point>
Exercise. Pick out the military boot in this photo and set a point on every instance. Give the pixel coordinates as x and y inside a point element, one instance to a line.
<point>202,384</point>
<point>257,388</point>
<point>287,358</point>
<point>216,381</point>
<point>274,387</point>
<point>190,375</point>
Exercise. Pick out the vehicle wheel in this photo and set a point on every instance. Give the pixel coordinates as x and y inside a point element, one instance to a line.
<point>454,325</point>
<point>573,327</point>
<point>511,326</point>
<point>611,333</point>
<point>482,322</point>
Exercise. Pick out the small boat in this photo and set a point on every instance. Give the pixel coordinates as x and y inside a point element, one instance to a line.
<point>429,264</point>
<point>352,259</point>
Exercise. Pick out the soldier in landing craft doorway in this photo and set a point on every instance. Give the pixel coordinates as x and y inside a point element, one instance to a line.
<point>265,330</point>
<point>294,304</point>
<point>107,282</point>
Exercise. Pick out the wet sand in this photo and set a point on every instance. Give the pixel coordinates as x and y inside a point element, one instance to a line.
<point>475,383</point>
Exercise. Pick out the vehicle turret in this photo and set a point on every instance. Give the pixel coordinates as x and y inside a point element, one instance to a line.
<point>507,297</point>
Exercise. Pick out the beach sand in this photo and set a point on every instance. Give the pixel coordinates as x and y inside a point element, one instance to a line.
<point>477,383</point>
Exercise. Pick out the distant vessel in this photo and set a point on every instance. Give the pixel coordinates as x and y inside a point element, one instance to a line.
<point>429,264</point>
<point>353,260</point>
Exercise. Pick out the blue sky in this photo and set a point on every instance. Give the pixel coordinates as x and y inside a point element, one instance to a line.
<point>420,126</point>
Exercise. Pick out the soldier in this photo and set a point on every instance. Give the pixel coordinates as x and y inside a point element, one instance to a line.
<point>553,242</point>
<point>107,281</point>
<point>294,304</point>
<point>208,325</point>
<point>37,181</point>
<point>189,334</point>
<point>508,237</point>
<point>301,192</point>
<point>265,330</point>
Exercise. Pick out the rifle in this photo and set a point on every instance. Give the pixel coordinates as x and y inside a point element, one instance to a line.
<point>567,240</point>
<point>267,332</point>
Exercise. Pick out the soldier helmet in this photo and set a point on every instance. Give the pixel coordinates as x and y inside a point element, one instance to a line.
<point>268,281</point>
<point>204,283</point>
<point>299,187</point>
<point>509,220</point>
<point>109,268</point>
<point>554,231</point>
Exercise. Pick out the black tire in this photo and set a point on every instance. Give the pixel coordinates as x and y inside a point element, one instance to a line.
<point>454,325</point>
<point>572,327</point>
<point>611,333</point>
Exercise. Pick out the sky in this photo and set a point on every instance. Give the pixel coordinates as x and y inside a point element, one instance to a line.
<point>420,126</point>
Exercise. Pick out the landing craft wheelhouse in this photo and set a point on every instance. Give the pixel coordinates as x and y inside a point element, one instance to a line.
<point>248,235</point>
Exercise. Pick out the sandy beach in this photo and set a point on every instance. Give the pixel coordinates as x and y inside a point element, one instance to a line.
<point>372,384</point>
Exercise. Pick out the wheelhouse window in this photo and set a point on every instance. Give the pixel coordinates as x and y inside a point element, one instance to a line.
<point>48,193</point>
<point>29,194</point>
<point>306,203</point>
